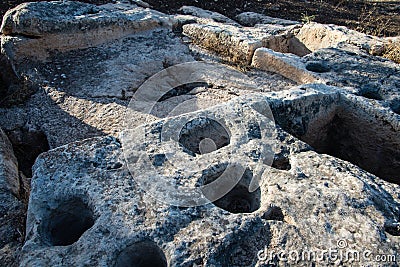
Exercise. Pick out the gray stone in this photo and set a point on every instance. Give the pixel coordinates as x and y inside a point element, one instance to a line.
<point>251,19</point>
<point>11,209</point>
<point>9,176</point>
<point>201,13</point>
<point>236,43</point>
<point>77,89</point>
<point>227,40</point>
<point>12,229</point>
<point>239,43</point>
<point>327,171</point>
<point>316,36</point>
<point>312,204</point>
<point>140,3</point>
<point>287,65</point>
<point>372,77</point>
<point>35,29</point>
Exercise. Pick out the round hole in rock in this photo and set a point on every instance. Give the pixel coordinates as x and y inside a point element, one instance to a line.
<point>237,200</point>
<point>253,131</point>
<point>203,135</point>
<point>3,88</point>
<point>273,213</point>
<point>370,91</point>
<point>27,145</point>
<point>183,89</point>
<point>281,163</point>
<point>372,95</point>
<point>349,132</point>
<point>392,229</point>
<point>68,222</point>
<point>395,106</point>
<point>318,67</point>
<point>142,254</point>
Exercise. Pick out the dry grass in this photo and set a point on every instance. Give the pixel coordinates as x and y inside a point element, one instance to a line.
<point>372,24</point>
<point>392,52</point>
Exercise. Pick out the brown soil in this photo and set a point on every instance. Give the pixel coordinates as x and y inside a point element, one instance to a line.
<point>377,17</point>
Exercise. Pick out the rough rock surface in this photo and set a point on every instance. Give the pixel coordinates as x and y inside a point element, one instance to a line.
<point>79,88</point>
<point>8,166</point>
<point>71,25</point>
<point>11,209</point>
<point>334,174</point>
<point>311,202</point>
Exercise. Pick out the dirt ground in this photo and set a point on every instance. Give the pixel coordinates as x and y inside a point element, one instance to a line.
<point>377,17</point>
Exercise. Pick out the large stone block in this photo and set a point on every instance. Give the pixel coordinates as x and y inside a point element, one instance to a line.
<point>35,29</point>
<point>287,65</point>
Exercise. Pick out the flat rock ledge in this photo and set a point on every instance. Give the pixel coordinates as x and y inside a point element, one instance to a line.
<point>322,93</point>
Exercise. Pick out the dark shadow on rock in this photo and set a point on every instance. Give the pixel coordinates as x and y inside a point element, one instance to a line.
<point>297,47</point>
<point>347,130</point>
<point>27,145</point>
<point>241,248</point>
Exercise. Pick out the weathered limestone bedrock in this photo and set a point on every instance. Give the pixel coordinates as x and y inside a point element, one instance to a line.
<point>86,209</point>
<point>9,173</point>
<point>82,91</point>
<point>329,180</point>
<point>373,78</point>
<point>237,44</point>
<point>288,65</point>
<point>201,15</point>
<point>84,82</point>
<point>11,209</point>
<point>32,29</point>
<point>345,126</point>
